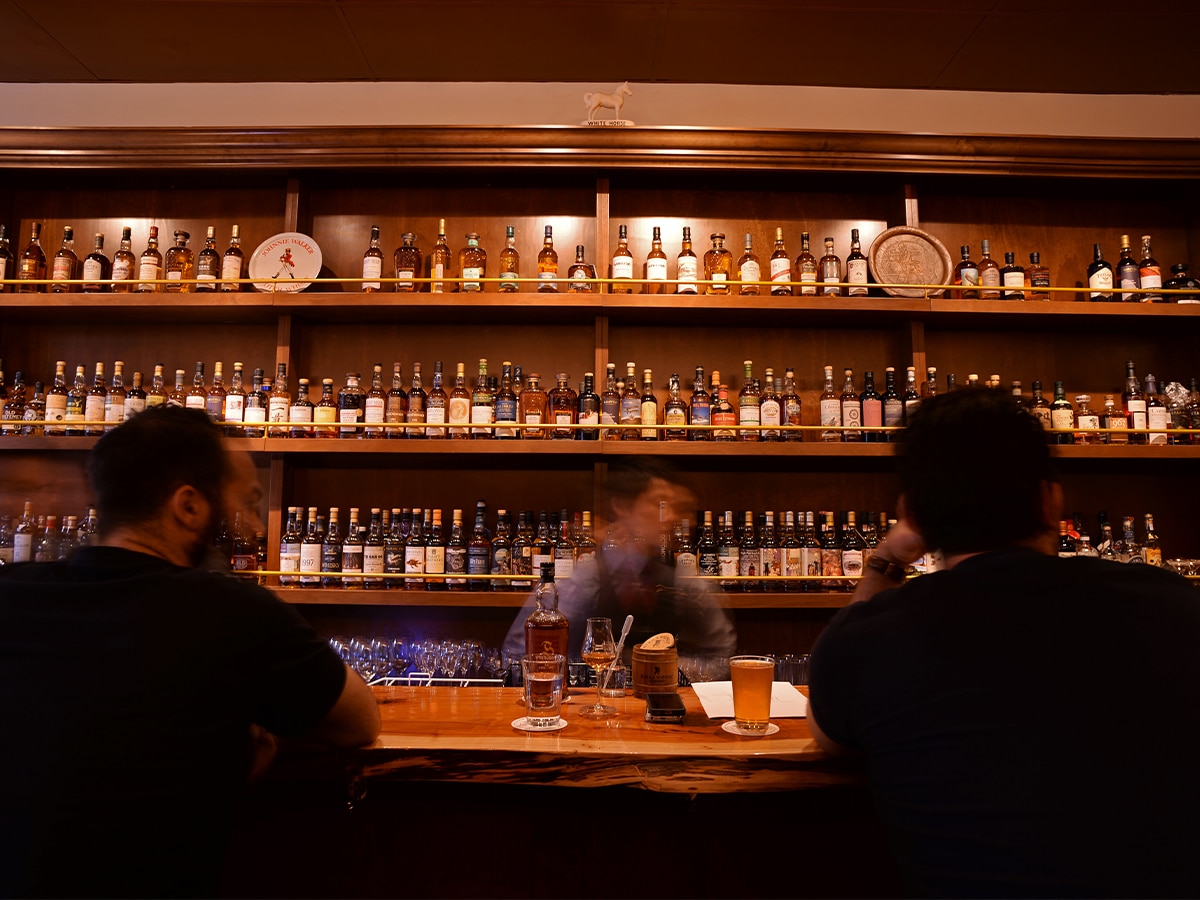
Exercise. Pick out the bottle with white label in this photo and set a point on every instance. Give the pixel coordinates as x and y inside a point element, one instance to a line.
<point>375,408</point>
<point>1062,417</point>
<point>472,263</point>
<point>831,271</point>
<point>749,269</point>
<point>1150,273</point>
<point>622,263</point>
<point>687,265</point>
<point>1157,418</point>
<point>372,264</point>
<point>1100,277</point>
<point>806,267</point>
<point>718,265</point>
<point>989,273</point>
<point>831,408</point>
<point>656,265</point>
<point>23,535</point>
<point>1087,422</point>
<point>232,262</point>
<point>1134,403</point>
<point>781,267</point>
<point>856,267</point>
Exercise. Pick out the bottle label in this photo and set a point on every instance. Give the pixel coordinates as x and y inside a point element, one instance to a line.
<point>352,558</point>
<point>851,413</point>
<point>768,412</point>
<point>727,560</point>
<point>91,268</point>
<point>414,560</point>
<point>133,406</point>
<point>173,275</point>
<point>93,408</point>
<point>22,547</point>
<point>1014,279</point>
<point>656,269</point>
<point>831,412</point>
<point>564,567</point>
<point>649,416</point>
<point>62,268</point>
<point>751,271</point>
<point>481,415</point>
<point>460,411</point>
<point>686,271</point>
<point>233,407</point>
<point>310,558</point>
<point>435,560</point>
<point>231,267</point>
<point>852,562</point>
<point>1101,282</point>
<point>685,564</point>
<point>435,415</point>
<point>1088,423</point>
<point>701,413</point>
<point>300,413</point>
<point>872,412</point>
<point>991,277</point>
<point>471,272</point>
<point>589,417</point>
<point>456,564</point>
<point>675,416</point>
<point>749,561</point>
<point>114,409</point>
<point>439,271</point>
<point>810,561</point>
<point>749,415</point>
<point>194,401</point>
<point>1135,413</point>
<point>772,561</point>
<point>373,559</point>
<point>1156,417</point>
<point>781,269</point>
<point>277,409</point>
<point>622,267</point>
<point>410,274</point>
<point>856,273</point>
<point>254,415</point>
<point>1151,278</point>
<point>375,410</point>
<point>969,276</point>
<point>1062,418</point>
<point>372,268</point>
<point>723,419</point>
<point>120,270</point>
<point>893,413</point>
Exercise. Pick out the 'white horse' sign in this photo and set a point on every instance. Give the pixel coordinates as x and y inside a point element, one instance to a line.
<point>597,100</point>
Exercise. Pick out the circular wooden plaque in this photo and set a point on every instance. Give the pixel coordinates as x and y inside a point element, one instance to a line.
<point>908,255</point>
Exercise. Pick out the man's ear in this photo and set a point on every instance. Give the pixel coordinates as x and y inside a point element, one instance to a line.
<point>1052,504</point>
<point>190,508</point>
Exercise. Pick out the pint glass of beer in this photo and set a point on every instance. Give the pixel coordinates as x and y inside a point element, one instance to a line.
<point>752,677</point>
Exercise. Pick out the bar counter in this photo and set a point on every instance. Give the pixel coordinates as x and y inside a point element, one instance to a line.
<point>450,733</point>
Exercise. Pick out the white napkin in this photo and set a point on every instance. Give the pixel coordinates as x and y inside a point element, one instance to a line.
<point>717,699</point>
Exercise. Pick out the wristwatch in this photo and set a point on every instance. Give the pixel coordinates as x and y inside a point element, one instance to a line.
<point>887,568</point>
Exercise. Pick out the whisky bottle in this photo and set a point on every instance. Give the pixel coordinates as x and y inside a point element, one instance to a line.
<point>233,411</point>
<point>610,403</point>
<point>1037,278</point>
<point>331,551</point>
<point>1151,274</point>
<point>7,269</point>
<point>589,409</point>
<point>1062,417</point>
<point>548,264</point>
<point>214,400</point>
<point>872,410</point>
<point>1128,275</point>
<point>966,275</point>
<point>352,407</point>
<point>893,405</point>
<point>506,404</point>
<point>789,406</point>
<point>479,551</point>
<point>414,550</point>
<point>791,557</point>
<point>708,560</point>
<point>393,548</point>
<point>1157,419</point>
<point>581,273</point>
<point>374,405</point>
<point>727,552</point>
<point>1151,549</point>
<point>718,265</point>
<point>912,396</point>
<point>410,263</point>
<point>435,553</point>
<point>1087,422</point>
<point>197,395</point>
<point>521,555</point>
<point>622,264</point>
<point>396,410</point>
<point>1100,277</point>
<point>157,394</point>
<point>458,405</point>
<point>686,265</point>
<point>655,270</point>
<point>66,263</point>
<point>435,405</point>
<point>699,408</point>
<point>208,262</point>
<point>179,264</point>
<point>564,548</point>
<point>483,405</point>
<point>781,267</point>
<point>35,411</point>
<point>279,402</point>
<point>76,404</point>
<point>749,398</point>
<point>831,555</point>
<point>749,270</point>
<point>631,404</point>
<point>135,398</point>
<point>372,264</point>
<point>1134,402</point>
<point>770,409</point>
<point>93,404</point>
<point>749,555</point>
<point>648,409</point>
<point>301,412</point>
<point>1038,406</point>
<point>352,553</point>
<point>806,267</point>
<point>510,262</point>
<point>472,264</point>
<point>989,274</point>
<point>97,270</point>
<point>856,267</point>
<point>831,271</point>
<point>1012,277</point>
<point>289,549</point>
<point>418,406</point>
<point>232,262</point>
<point>531,407</point>
<point>254,410</point>
<point>310,552</point>
<point>724,415</point>
<point>851,408</point>
<point>675,415</point>
<point>439,261</point>
<point>831,408</point>
<point>546,628</point>
<point>150,263</point>
<point>32,264</point>
<point>563,407</point>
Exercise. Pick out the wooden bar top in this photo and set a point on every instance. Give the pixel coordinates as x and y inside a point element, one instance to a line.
<point>466,733</point>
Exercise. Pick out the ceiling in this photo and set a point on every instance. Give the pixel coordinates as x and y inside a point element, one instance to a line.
<point>1099,46</point>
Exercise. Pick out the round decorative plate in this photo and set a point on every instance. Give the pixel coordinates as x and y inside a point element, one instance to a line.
<point>732,728</point>
<point>907,255</point>
<point>522,724</point>
<point>285,261</point>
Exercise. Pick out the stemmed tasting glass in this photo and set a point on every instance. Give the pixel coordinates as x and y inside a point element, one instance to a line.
<point>599,651</point>
<point>401,656</point>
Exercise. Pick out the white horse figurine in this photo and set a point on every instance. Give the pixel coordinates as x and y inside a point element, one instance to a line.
<point>596,101</point>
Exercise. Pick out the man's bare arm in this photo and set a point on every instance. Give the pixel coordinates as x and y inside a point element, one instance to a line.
<point>353,720</point>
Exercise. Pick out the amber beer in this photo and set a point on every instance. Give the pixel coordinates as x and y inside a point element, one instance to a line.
<point>752,677</point>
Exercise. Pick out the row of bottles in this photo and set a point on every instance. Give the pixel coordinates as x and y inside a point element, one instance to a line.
<point>43,538</point>
<point>182,268</point>
<point>1137,280</point>
<point>1073,540</point>
<point>518,406</point>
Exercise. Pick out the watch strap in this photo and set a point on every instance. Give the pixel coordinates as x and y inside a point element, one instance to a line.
<point>887,568</point>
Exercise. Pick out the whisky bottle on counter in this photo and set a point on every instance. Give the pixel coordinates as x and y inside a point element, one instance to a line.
<point>233,411</point>
<point>458,405</point>
<point>435,405</point>
<point>1128,276</point>
<point>531,407</point>
<point>372,264</point>
<point>505,405</point>
<point>546,628</point>
<point>1151,549</point>
<point>66,263</point>
<point>208,262</point>
<point>856,267</point>
<point>770,410</point>
<point>781,267</point>
<point>789,402</point>
<point>547,263</point>
<point>1062,416</point>
<point>1087,422</point>
<point>93,404</point>
<point>686,265</point>
<point>656,266</point>
<point>418,408</point>
<point>1134,402</point>
<point>509,262</point>
<point>831,271</point>
<point>622,264</point>
<point>872,410</point>
<point>32,264</point>
<point>352,553</point>
<point>409,262</point>
<point>631,404</point>
<point>749,269</point>
<point>97,270</point>
<point>806,267</point>
<point>851,407</point>
<point>893,405</point>
<point>77,403</point>
<point>279,402</point>
<point>610,403</point>
<point>435,553</point>
<point>197,395</point>
<point>179,264</point>
<point>724,414</point>
<point>439,261</point>
<point>232,262</point>
<point>563,408</point>
<point>472,264</point>
<point>254,412</point>
<point>352,406</point>
<point>483,404</point>
<point>699,408</point>
<point>331,551</point>
<point>966,275</point>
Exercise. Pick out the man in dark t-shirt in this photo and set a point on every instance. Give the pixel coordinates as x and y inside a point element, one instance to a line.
<point>139,693</point>
<point>1029,723</point>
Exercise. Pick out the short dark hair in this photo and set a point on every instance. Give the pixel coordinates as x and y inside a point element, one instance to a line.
<point>629,479</point>
<point>136,467</point>
<point>971,466</point>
